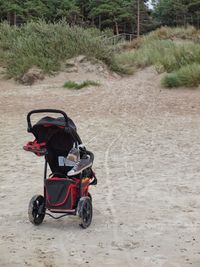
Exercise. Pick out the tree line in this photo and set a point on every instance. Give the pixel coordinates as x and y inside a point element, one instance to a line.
<point>177,12</point>
<point>119,15</point>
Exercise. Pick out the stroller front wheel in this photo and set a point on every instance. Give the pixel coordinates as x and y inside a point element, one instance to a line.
<point>85,211</point>
<point>36,209</point>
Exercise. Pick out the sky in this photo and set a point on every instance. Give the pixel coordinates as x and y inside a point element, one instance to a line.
<point>149,4</point>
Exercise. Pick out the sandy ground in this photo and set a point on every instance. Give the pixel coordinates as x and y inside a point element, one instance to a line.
<point>146,142</point>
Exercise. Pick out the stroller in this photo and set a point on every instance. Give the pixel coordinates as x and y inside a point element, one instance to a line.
<point>66,188</point>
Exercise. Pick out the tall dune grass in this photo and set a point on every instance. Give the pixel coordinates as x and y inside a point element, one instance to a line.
<point>164,54</point>
<point>189,33</point>
<point>47,45</point>
<point>168,54</point>
<point>180,58</point>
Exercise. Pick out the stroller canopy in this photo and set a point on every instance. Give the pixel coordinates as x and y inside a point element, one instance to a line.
<point>59,139</point>
<point>60,122</point>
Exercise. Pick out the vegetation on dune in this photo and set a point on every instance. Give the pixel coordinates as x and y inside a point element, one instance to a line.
<point>80,85</point>
<point>166,50</point>
<point>188,76</point>
<point>47,45</point>
<point>189,33</point>
<point>166,55</point>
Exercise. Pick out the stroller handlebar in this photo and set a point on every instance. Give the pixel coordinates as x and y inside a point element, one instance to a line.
<point>44,111</point>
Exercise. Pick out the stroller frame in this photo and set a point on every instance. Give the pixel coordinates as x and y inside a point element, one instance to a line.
<point>37,205</point>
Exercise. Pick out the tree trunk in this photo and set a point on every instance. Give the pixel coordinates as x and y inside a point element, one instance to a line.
<point>14,18</point>
<point>8,18</point>
<point>198,20</point>
<point>133,28</point>
<point>93,22</point>
<point>184,21</point>
<point>100,22</point>
<point>116,27</point>
<point>192,21</point>
<point>124,27</point>
<point>74,19</point>
<point>138,18</point>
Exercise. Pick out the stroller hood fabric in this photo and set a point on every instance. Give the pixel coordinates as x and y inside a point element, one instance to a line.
<point>58,141</point>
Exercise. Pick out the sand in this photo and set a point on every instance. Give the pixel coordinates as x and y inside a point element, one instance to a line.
<point>146,142</point>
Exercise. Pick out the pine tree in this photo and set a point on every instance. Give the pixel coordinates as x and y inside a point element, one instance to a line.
<point>177,12</point>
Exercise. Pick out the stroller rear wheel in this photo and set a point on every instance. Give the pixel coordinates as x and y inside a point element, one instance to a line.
<point>90,196</point>
<point>85,211</point>
<point>36,209</point>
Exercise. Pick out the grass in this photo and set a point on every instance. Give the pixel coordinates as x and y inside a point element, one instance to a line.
<point>168,54</point>
<point>47,45</point>
<point>125,62</point>
<point>165,54</point>
<point>80,85</point>
<point>182,33</point>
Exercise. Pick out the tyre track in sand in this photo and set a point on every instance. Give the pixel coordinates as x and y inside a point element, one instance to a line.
<point>110,197</point>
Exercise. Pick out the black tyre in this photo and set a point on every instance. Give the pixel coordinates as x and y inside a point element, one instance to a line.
<point>90,196</point>
<point>85,211</point>
<point>36,209</point>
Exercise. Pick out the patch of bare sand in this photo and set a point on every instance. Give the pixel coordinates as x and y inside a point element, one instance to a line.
<point>146,142</point>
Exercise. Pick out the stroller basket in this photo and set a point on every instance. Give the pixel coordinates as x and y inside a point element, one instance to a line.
<point>61,193</point>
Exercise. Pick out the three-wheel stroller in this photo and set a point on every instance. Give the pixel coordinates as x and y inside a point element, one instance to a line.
<point>66,188</point>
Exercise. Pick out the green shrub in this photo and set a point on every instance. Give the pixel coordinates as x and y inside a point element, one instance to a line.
<point>188,75</point>
<point>170,80</point>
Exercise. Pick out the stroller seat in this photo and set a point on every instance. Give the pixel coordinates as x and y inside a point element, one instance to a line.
<point>63,150</point>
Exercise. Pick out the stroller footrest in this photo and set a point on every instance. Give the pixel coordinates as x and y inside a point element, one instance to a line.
<point>38,148</point>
